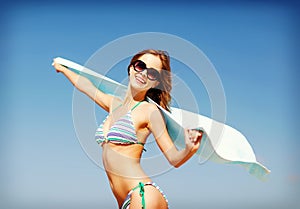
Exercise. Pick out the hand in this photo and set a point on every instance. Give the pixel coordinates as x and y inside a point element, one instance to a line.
<point>58,67</point>
<point>192,139</point>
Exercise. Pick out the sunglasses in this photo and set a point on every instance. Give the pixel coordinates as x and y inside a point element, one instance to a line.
<point>140,66</point>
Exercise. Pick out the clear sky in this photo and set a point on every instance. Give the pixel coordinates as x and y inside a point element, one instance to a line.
<point>251,45</point>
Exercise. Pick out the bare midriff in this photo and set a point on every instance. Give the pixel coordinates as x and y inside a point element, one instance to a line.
<point>123,169</point>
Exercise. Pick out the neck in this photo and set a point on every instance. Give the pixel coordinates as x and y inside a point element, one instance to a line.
<point>133,96</point>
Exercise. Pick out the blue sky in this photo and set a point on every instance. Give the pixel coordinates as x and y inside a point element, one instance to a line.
<point>252,47</point>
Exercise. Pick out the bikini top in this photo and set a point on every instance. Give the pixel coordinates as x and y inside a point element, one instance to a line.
<point>121,132</point>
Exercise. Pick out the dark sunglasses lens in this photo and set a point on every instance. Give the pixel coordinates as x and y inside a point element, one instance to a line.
<point>152,74</point>
<point>139,66</point>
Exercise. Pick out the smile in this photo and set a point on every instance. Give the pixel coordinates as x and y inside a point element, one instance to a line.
<point>140,80</point>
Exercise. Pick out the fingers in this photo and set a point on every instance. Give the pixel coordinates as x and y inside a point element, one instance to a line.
<point>58,67</point>
<point>192,139</point>
<point>194,135</point>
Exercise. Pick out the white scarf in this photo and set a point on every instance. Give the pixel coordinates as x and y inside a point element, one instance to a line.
<point>220,142</point>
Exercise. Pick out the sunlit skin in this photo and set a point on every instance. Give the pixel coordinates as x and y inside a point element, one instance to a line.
<point>122,162</point>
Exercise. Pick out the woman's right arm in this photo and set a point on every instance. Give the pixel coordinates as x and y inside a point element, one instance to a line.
<point>86,86</point>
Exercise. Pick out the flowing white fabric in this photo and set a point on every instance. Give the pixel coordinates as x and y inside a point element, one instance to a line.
<point>220,142</point>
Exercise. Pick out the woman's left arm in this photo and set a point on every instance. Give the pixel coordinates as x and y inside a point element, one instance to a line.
<point>176,157</point>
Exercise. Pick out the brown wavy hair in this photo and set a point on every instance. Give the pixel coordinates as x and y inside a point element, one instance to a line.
<point>161,93</point>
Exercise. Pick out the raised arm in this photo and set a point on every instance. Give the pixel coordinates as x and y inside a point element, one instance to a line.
<point>86,86</point>
<point>174,156</point>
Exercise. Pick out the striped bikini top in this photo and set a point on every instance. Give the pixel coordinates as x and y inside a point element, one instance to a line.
<point>121,132</point>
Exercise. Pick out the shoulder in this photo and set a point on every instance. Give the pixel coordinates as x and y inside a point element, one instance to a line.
<point>152,116</point>
<point>149,107</point>
<point>146,110</point>
<point>151,112</point>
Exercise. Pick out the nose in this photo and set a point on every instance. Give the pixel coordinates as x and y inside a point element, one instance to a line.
<point>144,73</point>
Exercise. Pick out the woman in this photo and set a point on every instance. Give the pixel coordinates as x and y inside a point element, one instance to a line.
<point>130,121</point>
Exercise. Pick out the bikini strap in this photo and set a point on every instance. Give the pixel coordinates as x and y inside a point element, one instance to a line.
<point>142,193</point>
<point>141,186</point>
<point>137,104</point>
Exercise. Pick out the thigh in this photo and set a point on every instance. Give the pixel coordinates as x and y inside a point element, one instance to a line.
<point>153,199</point>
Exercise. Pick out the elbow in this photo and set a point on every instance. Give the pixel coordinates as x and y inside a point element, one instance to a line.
<point>175,164</point>
<point>176,159</point>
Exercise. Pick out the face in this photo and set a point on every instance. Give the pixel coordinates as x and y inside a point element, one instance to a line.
<point>145,79</point>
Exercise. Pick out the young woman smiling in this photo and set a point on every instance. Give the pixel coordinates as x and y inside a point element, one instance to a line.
<point>130,121</point>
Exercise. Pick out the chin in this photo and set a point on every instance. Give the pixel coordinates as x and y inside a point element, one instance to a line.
<point>139,87</point>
